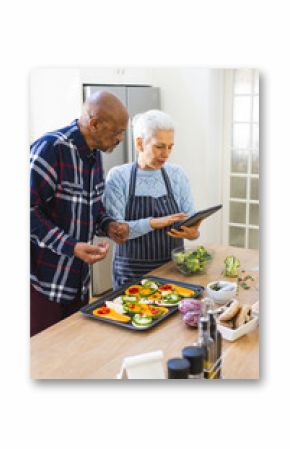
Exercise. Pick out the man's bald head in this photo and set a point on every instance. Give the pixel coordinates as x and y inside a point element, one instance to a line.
<point>103,121</point>
<point>104,105</point>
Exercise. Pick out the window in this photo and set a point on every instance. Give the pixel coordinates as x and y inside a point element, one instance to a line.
<point>241,164</point>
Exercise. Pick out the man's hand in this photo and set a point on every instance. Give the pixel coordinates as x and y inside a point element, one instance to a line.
<point>162,222</point>
<point>118,232</point>
<point>91,253</point>
<point>187,232</point>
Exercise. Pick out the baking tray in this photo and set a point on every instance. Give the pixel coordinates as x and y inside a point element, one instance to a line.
<point>88,309</point>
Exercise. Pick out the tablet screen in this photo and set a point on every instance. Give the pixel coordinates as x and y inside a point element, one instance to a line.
<point>200,215</point>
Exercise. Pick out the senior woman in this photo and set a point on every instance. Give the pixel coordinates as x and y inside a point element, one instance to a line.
<point>150,195</point>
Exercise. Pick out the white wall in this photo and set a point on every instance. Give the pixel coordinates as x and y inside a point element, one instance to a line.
<point>56,93</point>
<point>194,99</point>
<point>55,99</point>
<point>192,96</point>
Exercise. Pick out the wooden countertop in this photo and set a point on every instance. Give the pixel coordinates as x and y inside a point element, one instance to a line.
<point>83,348</point>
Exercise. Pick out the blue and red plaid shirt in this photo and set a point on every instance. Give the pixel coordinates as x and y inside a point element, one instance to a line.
<point>66,189</point>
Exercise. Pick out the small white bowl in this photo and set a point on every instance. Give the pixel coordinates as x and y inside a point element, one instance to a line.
<point>222,296</point>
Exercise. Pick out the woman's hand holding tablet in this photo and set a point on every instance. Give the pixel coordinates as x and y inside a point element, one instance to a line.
<point>186,232</point>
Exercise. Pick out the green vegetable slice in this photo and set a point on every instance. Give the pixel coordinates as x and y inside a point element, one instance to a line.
<point>129,299</point>
<point>141,320</point>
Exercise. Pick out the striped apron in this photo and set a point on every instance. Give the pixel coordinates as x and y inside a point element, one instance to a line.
<point>138,256</point>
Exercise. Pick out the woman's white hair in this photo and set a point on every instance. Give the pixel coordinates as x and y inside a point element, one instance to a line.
<point>146,124</point>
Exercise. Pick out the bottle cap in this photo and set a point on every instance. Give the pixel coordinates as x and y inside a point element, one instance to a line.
<point>194,354</point>
<point>203,322</point>
<point>178,368</point>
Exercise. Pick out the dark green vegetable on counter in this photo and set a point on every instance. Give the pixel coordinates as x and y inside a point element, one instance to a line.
<point>244,285</point>
<point>242,281</point>
<point>246,278</point>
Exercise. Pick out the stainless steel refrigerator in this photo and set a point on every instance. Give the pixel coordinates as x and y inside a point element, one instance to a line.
<point>136,99</point>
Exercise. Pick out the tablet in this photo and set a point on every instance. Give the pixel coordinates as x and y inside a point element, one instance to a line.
<point>200,215</point>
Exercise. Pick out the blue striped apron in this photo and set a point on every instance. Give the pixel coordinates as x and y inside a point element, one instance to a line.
<point>138,256</point>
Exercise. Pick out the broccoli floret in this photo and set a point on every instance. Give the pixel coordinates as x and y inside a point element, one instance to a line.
<point>231,266</point>
<point>187,255</point>
<point>201,251</point>
<point>202,264</point>
<point>192,261</point>
<point>192,264</point>
<point>179,258</point>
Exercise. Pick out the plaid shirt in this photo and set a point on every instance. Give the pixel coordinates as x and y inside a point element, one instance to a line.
<point>66,188</point>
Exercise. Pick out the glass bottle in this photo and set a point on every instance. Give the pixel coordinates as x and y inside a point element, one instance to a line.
<point>207,344</point>
<point>207,304</point>
<point>178,368</point>
<point>217,338</point>
<point>194,354</point>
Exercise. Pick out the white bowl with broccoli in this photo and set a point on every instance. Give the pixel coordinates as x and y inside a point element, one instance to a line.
<point>191,261</point>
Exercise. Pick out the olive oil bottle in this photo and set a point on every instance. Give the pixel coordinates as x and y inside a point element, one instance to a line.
<point>207,344</point>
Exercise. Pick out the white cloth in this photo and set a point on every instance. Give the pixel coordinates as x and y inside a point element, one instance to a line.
<point>143,366</point>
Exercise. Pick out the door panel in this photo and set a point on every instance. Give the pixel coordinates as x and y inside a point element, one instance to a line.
<point>140,99</point>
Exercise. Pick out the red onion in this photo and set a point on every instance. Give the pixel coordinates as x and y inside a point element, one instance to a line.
<point>186,305</point>
<point>191,318</point>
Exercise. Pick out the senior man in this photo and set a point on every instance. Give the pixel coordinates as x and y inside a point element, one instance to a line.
<point>66,209</point>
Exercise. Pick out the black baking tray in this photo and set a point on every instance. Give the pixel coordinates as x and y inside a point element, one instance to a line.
<point>88,309</point>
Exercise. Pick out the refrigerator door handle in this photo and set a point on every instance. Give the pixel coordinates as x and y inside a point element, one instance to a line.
<point>129,142</point>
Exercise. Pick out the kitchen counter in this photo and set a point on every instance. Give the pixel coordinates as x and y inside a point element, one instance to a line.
<point>82,348</point>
